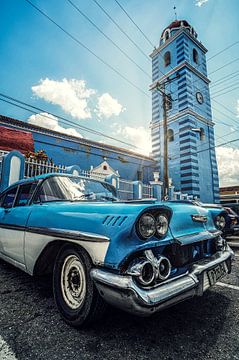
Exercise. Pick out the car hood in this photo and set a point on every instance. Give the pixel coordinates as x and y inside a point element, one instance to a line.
<point>116,221</point>
<point>106,217</point>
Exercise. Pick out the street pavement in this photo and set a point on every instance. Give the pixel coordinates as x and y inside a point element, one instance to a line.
<point>200,328</point>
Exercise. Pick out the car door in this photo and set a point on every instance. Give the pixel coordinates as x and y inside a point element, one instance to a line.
<point>14,213</point>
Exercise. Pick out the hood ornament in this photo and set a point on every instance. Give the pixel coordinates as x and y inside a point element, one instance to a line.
<point>199,218</point>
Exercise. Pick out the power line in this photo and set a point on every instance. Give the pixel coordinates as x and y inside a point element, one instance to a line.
<point>197,67</point>
<point>226,135</point>
<point>221,51</point>
<point>224,93</point>
<point>126,13</point>
<point>79,150</point>
<point>86,48</point>
<point>210,148</point>
<point>124,32</point>
<point>144,35</point>
<point>206,92</point>
<point>225,88</point>
<point>64,120</point>
<point>225,107</point>
<point>107,37</point>
<point>222,85</point>
<point>222,67</point>
<point>121,30</point>
<point>225,78</point>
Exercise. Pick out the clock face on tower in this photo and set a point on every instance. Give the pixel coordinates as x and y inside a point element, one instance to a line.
<point>199,97</point>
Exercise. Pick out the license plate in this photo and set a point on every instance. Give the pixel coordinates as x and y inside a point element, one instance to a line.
<point>217,273</point>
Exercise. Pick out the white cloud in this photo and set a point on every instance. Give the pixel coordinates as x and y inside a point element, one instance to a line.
<point>138,136</point>
<point>228,165</point>
<point>199,3</point>
<point>51,122</point>
<point>108,106</point>
<point>71,95</point>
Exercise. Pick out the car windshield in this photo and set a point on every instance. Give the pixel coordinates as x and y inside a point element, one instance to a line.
<point>64,188</point>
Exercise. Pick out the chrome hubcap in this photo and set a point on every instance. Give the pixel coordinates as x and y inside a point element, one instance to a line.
<point>73,282</point>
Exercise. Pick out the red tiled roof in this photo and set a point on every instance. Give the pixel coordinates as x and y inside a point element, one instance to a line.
<point>11,139</point>
<point>176,24</point>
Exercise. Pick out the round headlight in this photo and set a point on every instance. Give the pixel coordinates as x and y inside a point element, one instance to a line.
<point>146,226</point>
<point>161,225</point>
<point>220,222</point>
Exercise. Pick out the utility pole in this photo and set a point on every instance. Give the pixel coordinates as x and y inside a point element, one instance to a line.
<point>165,143</point>
<point>167,104</point>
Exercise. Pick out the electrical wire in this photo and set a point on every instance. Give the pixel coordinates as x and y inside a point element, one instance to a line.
<point>224,88</point>
<point>210,148</point>
<point>107,37</point>
<point>64,120</point>
<point>126,13</point>
<point>225,107</point>
<point>222,67</point>
<point>225,79</point>
<point>221,51</point>
<point>86,48</point>
<point>121,30</point>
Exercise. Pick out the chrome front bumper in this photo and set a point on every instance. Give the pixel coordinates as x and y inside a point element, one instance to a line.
<point>123,292</point>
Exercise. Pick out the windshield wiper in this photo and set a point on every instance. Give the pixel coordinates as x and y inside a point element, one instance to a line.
<point>110,198</point>
<point>83,196</point>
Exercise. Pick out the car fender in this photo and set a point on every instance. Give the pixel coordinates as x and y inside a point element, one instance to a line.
<point>37,240</point>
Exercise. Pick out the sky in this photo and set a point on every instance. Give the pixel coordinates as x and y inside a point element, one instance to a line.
<point>42,66</point>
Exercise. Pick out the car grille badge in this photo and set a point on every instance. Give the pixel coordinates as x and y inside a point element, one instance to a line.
<point>199,218</point>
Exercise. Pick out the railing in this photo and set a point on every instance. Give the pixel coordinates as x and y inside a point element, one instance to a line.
<point>147,191</point>
<point>93,175</point>
<point>38,167</point>
<point>125,190</point>
<point>35,167</point>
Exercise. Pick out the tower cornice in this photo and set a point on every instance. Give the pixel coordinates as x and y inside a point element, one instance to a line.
<point>186,112</point>
<point>176,69</point>
<point>171,39</point>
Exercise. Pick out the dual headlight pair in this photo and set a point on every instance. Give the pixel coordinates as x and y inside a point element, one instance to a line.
<point>149,225</point>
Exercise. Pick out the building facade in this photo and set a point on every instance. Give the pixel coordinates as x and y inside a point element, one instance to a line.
<point>229,194</point>
<point>70,150</point>
<point>180,61</point>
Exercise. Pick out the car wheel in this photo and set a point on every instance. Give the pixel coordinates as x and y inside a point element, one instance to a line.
<point>75,294</point>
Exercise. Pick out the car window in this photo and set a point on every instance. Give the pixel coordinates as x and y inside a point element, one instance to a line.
<point>64,188</point>
<point>9,198</point>
<point>25,193</point>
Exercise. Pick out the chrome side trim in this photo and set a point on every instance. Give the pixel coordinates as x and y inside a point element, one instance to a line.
<point>62,233</point>
<point>69,234</point>
<point>121,291</point>
<point>200,236</point>
<point>13,227</point>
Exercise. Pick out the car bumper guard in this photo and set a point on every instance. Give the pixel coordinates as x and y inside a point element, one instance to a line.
<point>123,292</point>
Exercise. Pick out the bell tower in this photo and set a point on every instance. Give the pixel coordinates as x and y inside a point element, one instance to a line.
<point>191,148</point>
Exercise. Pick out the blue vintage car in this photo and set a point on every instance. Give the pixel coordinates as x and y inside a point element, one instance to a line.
<point>140,256</point>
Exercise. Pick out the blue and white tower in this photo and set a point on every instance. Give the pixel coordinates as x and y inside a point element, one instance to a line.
<point>191,148</point>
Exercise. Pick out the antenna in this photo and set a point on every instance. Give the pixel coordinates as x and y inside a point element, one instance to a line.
<point>175,12</point>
